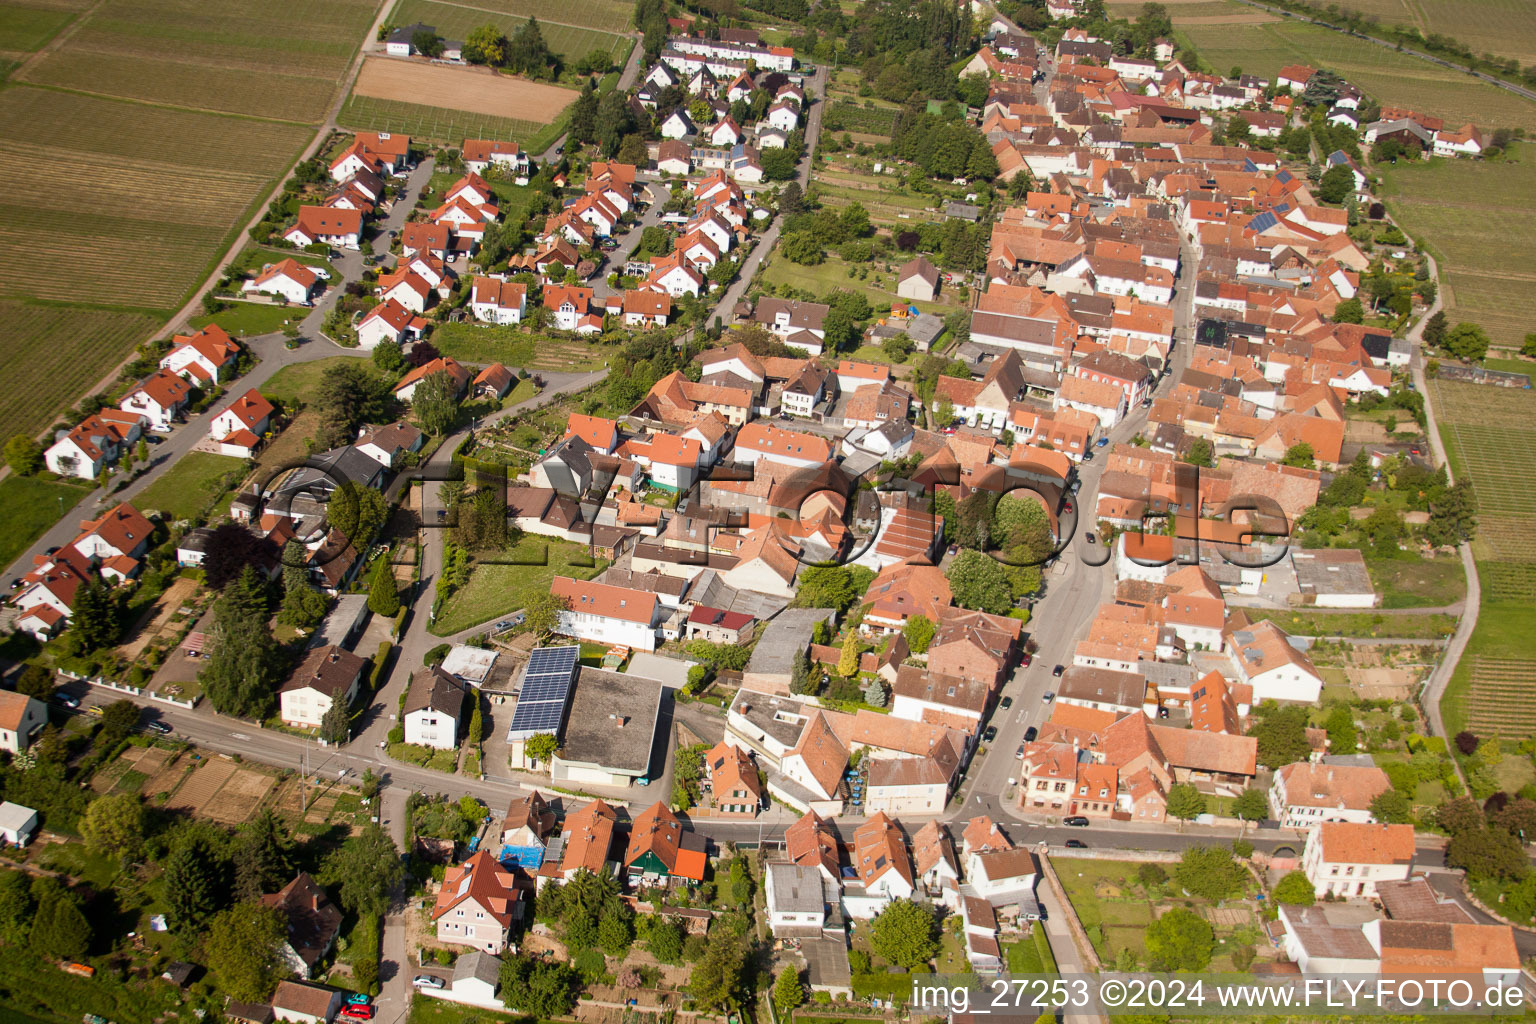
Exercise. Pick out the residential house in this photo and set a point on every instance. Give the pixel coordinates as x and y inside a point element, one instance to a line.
<point>586,840</point>
<point>481,154</point>
<point>160,399</point>
<point>1348,859</point>
<point>94,443</point>
<point>287,279</point>
<point>606,614</point>
<point>1002,876</point>
<point>313,923</point>
<point>389,444</point>
<point>388,321</point>
<point>239,427</point>
<point>1266,660</point>
<point>661,848</point>
<point>644,308</point>
<point>302,1002</point>
<point>477,904</point>
<point>327,674</point>
<point>494,381</point>
<point>326,225</point>
<point>207,356</point>
<point>496,301</point>
<point>880,861</point>
<point>918,280</point>
<point>1304,795</point>
<point>457,373</point>
<point>810,843</point>
<point>735,790</point>
<point>797,904</point>
<point>21,719</point>
<point>434,706</point>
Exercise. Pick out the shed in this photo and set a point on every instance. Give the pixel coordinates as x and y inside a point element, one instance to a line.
<point>17,823</point>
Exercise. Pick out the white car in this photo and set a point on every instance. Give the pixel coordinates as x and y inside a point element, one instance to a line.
<point>427,981</point>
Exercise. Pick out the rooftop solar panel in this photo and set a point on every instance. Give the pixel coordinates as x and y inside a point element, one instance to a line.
<point>546,690</point>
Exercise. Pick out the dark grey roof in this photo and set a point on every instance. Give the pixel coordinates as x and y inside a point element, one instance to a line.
<point>478,965</point>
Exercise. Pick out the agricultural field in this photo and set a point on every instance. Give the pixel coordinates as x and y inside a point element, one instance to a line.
<point>1494,686</point>
<point>438,124</point>
<point>141,222</point>
<point>843,178</point>
<point>53,354</point>
<point>567,34</point>
<point>858,119</point>
<point>1454,207</point>
<point>612,16</point>
<point>268,60</point>
<point>1503,28</point>
<point>26,27</point>
<point>1391,77</point>
<point>1197,12</point>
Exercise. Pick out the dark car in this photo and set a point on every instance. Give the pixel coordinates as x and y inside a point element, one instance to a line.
<point>1030,734</point>
<point>1088,455</point>
<point>1091,538</point>
<point>72,703</point>
<point>16,583</point>
<point>1076,821</point>
<point>990,734</point>
<point>1058,670</point>
<point>159,727</point>
<point>442,514</point>
<point>1005,703</point>
<point>1075,844</point>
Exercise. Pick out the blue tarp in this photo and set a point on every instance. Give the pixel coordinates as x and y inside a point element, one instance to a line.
<point>474,844</point>
<point>528,857</point>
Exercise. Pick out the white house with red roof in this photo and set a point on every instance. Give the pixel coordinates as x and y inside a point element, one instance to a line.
<point>237,429</point>
<point>757,440</point>
<point>571,307</point>
<point>326,225</point>
<point>726,133</point>
<point>379,152</point>
<point>699,250</point>
<point>600,432</point>
<point>783,115</point>
<point>673,462</point>
<point>480,154</point>
<point>289,280</point>
<point>644,308</point>
<point>596,210</point>
<point>406,389</point>
<point>607,614</point>
<point>94,443</point>
<point>475,906</point>
<point>407,288</point>
<point>203,356</point>
<point>473,189</point>
<point>388,321</point>
<point>496,301</point>
<point>673,275</point>
<point>159,398</point>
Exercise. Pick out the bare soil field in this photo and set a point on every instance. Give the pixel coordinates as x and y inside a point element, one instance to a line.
<point>472,89</point>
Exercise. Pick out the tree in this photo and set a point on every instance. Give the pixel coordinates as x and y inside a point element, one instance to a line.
<point>802,247</point>
<point>1151,875</point>
<point>427,42</point>
<point>848,660</point>
<point>1209,872</point>
<point>243,950</point>
<point>349,394</point>
<point>718,981</point>
<point>830,586</point>
<point>1459,815</point>
<point>583,122</point>
<point>263,856</point>
<point>542,613</point>
<point>1296,890</point>
<point>336,723</point>
<point>978,582</point>
<point>194,883</point>
<point>484,45</point>
<point>1251,805</point>
<point>632,151</point>
<point>383,593</point>
<point>1343,737</point>
<point>114,826</point>
<point>1392,807</point>
<point>541,747</point>
<point>1350,311</point>
<point>665,940</point>
<point>906,933</point>
<point>1281,733</point>
<point>614,121</point>
<point>1467,342</point>
<point>527,53</point>
<point>244,664</point>
<point>1487,853</point>
<point>616,930</point>
<point>1434,329</point>
<point>1336,184</point>
<point>1180,940</point>
<point>367,869</point>
<point>1466,742</point>
<point>919,632</point>
<point>94,624</point>
<point>35,681</point>
<point>1299,455</point>
<point>231,548</point>
<point>24,455</point>
<point>788,992</point>
<point>538,988</point>
<point>60,930</point>
<point>435,402</point>
<point>17,907</point>
<point>1200,453</point>
<point>1185,802</point>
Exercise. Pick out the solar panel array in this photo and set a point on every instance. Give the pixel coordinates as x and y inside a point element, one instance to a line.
<point>546,690</point>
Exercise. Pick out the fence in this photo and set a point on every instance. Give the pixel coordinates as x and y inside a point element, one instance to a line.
<point>110,684</point>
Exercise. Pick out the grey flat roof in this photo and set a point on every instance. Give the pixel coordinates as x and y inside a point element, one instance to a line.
<point>783,718</point>
<point>796,888</point>
<point>594,736</point>
<point>1331,571</point>
<point>786,636</point>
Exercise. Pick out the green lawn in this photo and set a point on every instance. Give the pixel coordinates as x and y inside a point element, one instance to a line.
<point>192,485</point>
<point>297,382</point>
<point>1418,582</point>
<point>248,319</point>
<point>833,273</point>
<point>1524,366</point>
<point>426,1010</point>
<point>1359,625</point>
<point>499,588</point>
<point>28,506</point>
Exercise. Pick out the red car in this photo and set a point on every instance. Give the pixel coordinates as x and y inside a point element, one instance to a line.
<point>358,1011</point>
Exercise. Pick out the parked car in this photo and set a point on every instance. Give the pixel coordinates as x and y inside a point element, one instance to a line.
<point>96,710</point>
<point>69,702</point>
<point>1030,734</point>
<point>358,998</point>
<point>1088,455</point>
<point>159,727</point>
<point>990,734</point>
<point>1091,537</point>
<point>427,981</point>
<point>1075,844</point>
<point>1026,659</point>
<point>358,1011</point>
<point>1020,752</point>
<point>1005,703</point>
<point>1057,671</point>
<point>442,514</point>
<point>1070,507</point>
<point>16,583</point>
<point>1101,442</point>
<point>1076,821</point>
